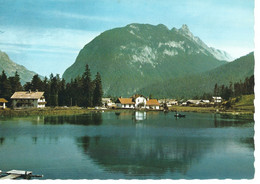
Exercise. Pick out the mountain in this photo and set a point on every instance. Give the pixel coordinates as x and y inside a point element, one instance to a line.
<point>196,85</point>
<point>137,55</point>
<point>11,67</point>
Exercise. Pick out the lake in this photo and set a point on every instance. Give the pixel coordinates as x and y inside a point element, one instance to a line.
<point>130,145</point>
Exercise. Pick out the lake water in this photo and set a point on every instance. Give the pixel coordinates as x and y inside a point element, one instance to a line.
<point>129,145</point>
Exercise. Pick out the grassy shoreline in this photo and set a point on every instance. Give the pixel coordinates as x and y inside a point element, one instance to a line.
<point>78,110</point>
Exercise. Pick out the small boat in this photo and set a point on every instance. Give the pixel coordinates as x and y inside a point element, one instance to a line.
<point>13,174</point>
<point>179,115</point>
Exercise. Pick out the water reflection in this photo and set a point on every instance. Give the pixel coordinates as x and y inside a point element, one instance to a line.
<point>249,142</point>
<point>140,115</point>
<point>85,119</point>
<point>129,144</point>
<point>226,120</point>
<point>144,155</point>
<point>2,139</point>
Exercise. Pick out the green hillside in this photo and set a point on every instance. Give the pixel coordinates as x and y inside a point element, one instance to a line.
<point>196,85</point>
<point>138,55</point>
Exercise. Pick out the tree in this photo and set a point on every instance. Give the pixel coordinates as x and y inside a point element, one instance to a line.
<point>5,87</point>
<point>36,83</point>
<point>98,92</point>
<point>15,83</point>
<point>87,87</point>
<point>54,90</point>
<point>216,90</point>
<point>62,93</point>
<point>46,90</point>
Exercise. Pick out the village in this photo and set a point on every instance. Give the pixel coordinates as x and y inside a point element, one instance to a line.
<point>35,99</point>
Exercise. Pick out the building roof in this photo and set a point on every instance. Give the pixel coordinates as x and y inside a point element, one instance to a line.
<point>3,100</point>
<point>152,102</point>
<point>125,100</point>
<point>217,97</point>
<point>194,101</point>
<point>27,95</point>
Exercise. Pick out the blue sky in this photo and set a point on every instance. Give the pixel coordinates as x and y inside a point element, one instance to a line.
<point>46,35</point>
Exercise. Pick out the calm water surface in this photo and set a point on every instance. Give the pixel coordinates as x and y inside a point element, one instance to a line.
<point>129,145</point>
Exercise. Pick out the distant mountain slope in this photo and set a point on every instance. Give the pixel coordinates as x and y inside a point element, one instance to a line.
<point>196,85</point>
<point>137,55</point>
<point>11,67</point>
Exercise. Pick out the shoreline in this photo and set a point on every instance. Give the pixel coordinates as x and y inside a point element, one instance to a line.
<point>79,110</point>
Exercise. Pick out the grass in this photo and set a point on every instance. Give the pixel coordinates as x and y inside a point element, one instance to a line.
<point>44,111</point>
<point>192,109</point>
<point>244,103</point>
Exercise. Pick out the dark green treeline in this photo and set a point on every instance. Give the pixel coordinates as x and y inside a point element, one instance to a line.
<point>82,91</point>
<point>236,89</point>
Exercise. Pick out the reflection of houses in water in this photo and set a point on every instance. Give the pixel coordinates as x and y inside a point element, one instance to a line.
<point>144,155</point>
<point>140,115</point>
<point>134,115</point>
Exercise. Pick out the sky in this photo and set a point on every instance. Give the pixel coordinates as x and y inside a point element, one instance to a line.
<point>46,35</point>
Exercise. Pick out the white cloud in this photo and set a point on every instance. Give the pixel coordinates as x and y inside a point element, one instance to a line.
<point>53,37</point>
<point>81,16</point>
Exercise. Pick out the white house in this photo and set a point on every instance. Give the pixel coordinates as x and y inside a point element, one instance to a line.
<point>28,99</point>
<point>217,99</point>
<point>196,102</point>
<point>152,104</point>
<point>125,103</point>
<point>140,101</point>
<point>107,102</point>
<point>205,101</point>
<point>2,103</point>
<point>137,101</point>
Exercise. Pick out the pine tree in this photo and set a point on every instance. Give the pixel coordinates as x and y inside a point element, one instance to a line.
<point>36,83</point>
<point>5,87</point>
<point>87,88</point>
<point>15,83</point>
<point>216,90</point>
<point>98,92</point>
<point>62,93</point>
<point>46,90</point>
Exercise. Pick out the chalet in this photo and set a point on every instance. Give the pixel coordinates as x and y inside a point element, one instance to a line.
<point>206,101</point>
<point>137,101</point>
<point>125,103</point>
<point>172,102</point>
<point>217,99</point>
<point>152,104</point>
<point>107,102</point>
<point>168,102</point>
<point>196,102</point>
<point>2,103</point>
<point>140,101</point>
<point>28,99</point>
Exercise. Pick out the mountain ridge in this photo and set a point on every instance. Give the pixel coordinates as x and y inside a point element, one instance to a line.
<point>196,85</point>
<point>11,67</point>
<point>139,54</point>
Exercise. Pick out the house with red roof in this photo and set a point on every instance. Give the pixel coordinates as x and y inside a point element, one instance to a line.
<point>137,101</point>
<point>2,103</point>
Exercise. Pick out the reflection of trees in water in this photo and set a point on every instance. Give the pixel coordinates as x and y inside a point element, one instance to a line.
<point>226,120</point>
<point>144,155</point>
<point>34,139</point>
<point>2,139</point>
<point>249,142</point>
<point>85,119</point>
